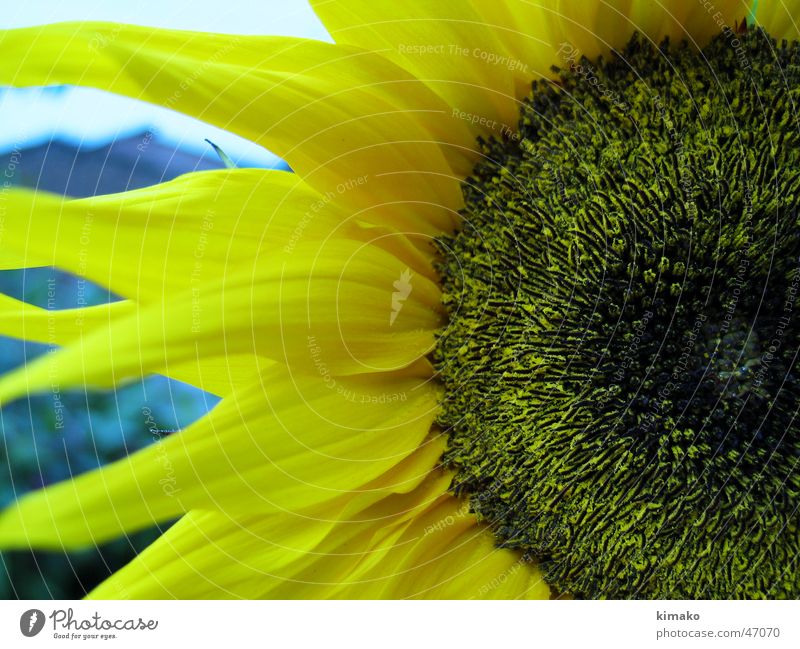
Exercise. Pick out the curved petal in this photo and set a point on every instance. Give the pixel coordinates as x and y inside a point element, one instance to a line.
<point>446,43</point>
<point>479,55</point>
<point>56,327</point>
<point>284,445</point>
<point>445,554</point>
<point>337,307</point>
<point>440,553</point>
<point>14,259</point>
<point>211,554</point>
<point>157,241</point>
<point>217,374</point>
<point>349,122</point>
<point>220,375</point>
<point>594,28</point>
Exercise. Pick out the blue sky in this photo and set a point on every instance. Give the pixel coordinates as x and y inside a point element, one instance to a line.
<point>91,117</point>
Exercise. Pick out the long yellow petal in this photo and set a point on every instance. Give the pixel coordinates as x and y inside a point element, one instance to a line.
<point>153,242</point>
<point>439,553</point>
<point>445,554</point>
<point>284,445</point>
<point>445,43</point>
<point>219,375</point>
<point>328,571</point>
<point>338,307</point>
<point>13,259</point>
<point>212,554</point>
<point>351,123</point>
<point>56,327</point>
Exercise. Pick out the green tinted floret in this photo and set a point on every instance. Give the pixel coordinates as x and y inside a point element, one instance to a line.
<point>621,359</point>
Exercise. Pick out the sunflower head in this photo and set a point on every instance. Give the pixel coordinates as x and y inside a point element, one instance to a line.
<point>586,386</point>
<point>620,359</point>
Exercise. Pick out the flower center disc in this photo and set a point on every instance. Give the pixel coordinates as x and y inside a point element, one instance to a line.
<point>621,360</point>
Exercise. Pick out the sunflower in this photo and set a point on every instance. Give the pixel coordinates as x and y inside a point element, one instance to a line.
<point>520,324</point>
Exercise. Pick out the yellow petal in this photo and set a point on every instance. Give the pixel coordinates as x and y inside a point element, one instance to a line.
<point>350,123</point>
<point>219,375</point>
<point>153,242</point>
<point>13,259</point>
<point>480,55</point>
<point>336,560</point>
<point>559,32</point>
<point>445,554</point>
<point>780,19</point>
<point>56,327</point>
<point>336,307</point>
<point>284,445</point>
<point>215,555</point>
<point>594,28</point>
<point>524,29</point>
<point>445,43</point>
